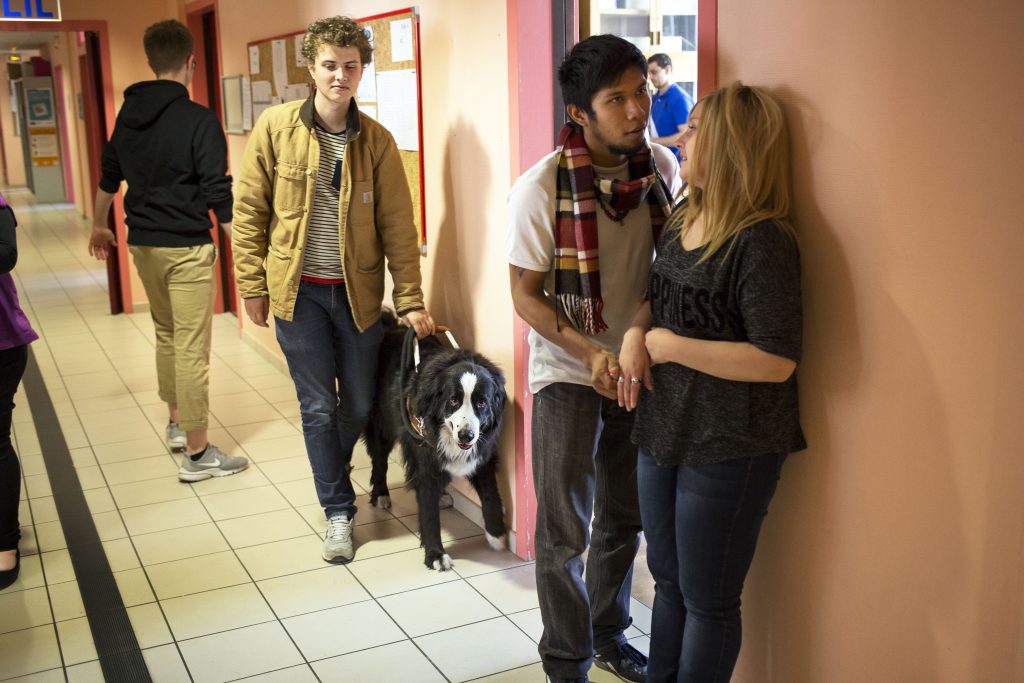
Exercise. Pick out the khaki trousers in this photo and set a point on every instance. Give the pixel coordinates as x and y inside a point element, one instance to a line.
<point>180,285</point>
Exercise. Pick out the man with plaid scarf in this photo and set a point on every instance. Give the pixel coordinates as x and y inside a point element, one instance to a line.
<point>582,227</point>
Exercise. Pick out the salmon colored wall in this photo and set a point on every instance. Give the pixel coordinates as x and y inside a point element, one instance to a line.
<point>14,157</point>
<point>893,550</point>
<point>466,159</point>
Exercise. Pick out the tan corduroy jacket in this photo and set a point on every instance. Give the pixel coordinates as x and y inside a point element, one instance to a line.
<point>273,205</point>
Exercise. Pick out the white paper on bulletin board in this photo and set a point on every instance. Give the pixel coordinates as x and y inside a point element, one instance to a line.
<point>300,60</point>
<point>398,107</point>
<point>280,66</point>
<point>261,92</point>
<point>401,40</point>
<point>367,91</point>
<point>295,91</point>
<point>254,59</point>
<point>246,104</point>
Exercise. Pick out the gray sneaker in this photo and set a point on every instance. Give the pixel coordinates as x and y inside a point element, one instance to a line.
<point>338,539</point>
<point>214,463</point>
<point>176,440</point>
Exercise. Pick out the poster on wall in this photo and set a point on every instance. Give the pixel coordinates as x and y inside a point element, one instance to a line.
<point>43,146</point>
<point>40,107</point>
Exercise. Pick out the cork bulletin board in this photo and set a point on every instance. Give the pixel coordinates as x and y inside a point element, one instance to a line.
<point>390,90</point>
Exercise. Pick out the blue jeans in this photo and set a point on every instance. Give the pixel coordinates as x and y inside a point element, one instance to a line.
<point>584,466</point>
<point>701,524</point>
<point>334,367</point>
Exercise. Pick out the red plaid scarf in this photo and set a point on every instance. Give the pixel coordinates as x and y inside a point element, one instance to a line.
<point>577,276</point>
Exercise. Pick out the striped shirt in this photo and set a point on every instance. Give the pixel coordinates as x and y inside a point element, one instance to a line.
<point>323,253</point>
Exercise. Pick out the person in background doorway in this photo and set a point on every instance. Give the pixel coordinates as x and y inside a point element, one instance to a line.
<point>582,225</point>
<point>322,203</point>
<point>670,106</point>
<point>173,154</point>
<point>716,347</point>
<point>15,335</point>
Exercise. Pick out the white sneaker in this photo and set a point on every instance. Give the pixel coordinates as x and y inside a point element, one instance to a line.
<point>338,539</point>
<point>176,439</point>
<point>214,463</point>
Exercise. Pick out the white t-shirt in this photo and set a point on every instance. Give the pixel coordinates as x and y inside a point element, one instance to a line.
<point>625,253</point>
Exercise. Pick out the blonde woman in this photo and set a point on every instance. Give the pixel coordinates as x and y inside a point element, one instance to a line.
<point>716,348</point>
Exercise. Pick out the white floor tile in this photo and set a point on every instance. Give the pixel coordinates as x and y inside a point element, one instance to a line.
<point>294,674</point>
<point>330,586</point>
<point>330,632</point>
<point>173,514</point>
<point>29,651</point>
<point>402,661</point>
<point>149,625</point>
<point>283,557</point>
<point>165,665</point>
<point>76,642</point>
<point>510,590</point>
<point>196,574</point>
<point>433,609</point>
<point>397,573</point>
<point>267,527</point>
<point>179,544</point>
<point>24,609</point>
<point>218,610</point>
<point>254,650</point>
<point>448,650</point>
<point>244,502</point>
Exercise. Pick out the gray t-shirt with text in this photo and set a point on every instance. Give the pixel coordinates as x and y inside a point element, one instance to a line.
<point>748,291</point>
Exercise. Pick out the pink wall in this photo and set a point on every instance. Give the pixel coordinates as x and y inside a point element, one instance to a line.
<point>893,550</point>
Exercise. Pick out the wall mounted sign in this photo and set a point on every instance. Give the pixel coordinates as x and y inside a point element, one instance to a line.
<point>29,10</point>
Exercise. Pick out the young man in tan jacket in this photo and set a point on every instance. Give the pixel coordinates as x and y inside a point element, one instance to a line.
<point>322,201</point>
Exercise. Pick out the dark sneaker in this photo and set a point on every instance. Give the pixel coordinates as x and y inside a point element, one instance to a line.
<point>625,661</point>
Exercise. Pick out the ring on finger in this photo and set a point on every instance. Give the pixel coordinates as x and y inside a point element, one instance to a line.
<point>621,380</point>
<point>634,381</point>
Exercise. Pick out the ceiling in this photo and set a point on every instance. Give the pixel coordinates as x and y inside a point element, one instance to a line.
<point>25,40</point>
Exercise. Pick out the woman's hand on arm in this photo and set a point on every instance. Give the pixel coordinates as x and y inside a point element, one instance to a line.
<point>634,359</point>
<point>533,306</point>
<point>735,361</point>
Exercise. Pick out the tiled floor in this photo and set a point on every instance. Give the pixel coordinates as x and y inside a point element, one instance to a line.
<point>223,578</point>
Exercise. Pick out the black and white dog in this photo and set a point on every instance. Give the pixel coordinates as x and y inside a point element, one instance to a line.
<point>447,415</point>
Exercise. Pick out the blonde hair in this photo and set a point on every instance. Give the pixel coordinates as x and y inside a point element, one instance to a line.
<point>743,148</point>
<point>339,32</point>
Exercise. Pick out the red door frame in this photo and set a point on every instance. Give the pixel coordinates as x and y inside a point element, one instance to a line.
<point>195,12</point>
<point>62,126</point>
<point>531,103</point>
<point>123,287</point>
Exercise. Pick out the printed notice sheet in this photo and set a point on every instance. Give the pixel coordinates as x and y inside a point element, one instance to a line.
<point>254,59</point>
<point>401,40</point>
<point>280,66</point>
<point>398,107</point>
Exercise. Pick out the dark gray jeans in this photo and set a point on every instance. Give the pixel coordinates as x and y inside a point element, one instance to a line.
<point>584,466</point>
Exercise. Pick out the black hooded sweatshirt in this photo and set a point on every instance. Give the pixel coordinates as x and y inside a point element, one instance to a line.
<point>173,154</point>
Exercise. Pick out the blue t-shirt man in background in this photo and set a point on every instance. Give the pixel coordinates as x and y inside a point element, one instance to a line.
<point>670,106</point>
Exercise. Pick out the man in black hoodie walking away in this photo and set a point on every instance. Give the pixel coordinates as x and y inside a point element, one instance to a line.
<point>173,154</point>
